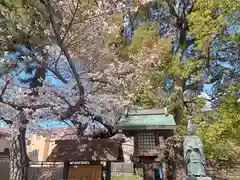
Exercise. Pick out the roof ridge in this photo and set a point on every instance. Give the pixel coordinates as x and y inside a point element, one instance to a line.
<point>148,111</point>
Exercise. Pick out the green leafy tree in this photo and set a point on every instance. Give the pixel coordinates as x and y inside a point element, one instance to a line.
<point>208,23</point>
<point>211,23</point>
<point>219,128</point>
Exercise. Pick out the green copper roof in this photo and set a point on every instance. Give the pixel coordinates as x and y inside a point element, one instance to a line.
<point>147,119</point>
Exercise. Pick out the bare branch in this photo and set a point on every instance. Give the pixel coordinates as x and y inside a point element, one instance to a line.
<point>99,80</point>
<point>54,71</point>
<point>63,98</point>
<point>64,49</point>
<point>71,21</point>
<point>6,85</point>
<point>5,88</point>
<point>6,120</point>
<point>172,9</point>
<point>23,106</point>
<point>191,7</point>
<point>72,109</point>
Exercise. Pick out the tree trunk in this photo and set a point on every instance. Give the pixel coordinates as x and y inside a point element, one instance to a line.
<point>175,161</point>
<point>19,161</point>
<point>148,172</point>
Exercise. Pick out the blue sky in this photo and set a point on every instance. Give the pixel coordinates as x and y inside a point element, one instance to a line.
<point>53,124</point>
<point>46,124</point>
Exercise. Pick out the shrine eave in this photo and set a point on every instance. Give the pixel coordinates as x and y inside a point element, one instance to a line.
<point>147,121</point>
<point>146,127</point>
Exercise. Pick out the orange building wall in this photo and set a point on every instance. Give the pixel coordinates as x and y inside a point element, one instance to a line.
<point>42,144</point>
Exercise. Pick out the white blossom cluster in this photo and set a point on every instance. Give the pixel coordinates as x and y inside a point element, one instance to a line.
<point>104,80</point>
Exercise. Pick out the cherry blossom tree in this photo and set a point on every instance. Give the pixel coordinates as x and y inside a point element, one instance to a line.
<point>60,39</point>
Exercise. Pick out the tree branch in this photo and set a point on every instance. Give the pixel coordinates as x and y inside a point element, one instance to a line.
<point>23,106</point>
<point>64,49</point>
<point>71,21</point>
<point>72,109</point>
<point>172,9</point>
<point>6,120</point>
<point>6,85</point>
<point>63,98</point>
<point>4,89</point>
<point>191,7</point>
<point>54,71</point>
<point>80,104</point>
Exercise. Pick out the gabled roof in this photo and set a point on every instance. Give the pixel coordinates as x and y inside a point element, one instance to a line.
<point>85,149</point>
<point>144,119</point>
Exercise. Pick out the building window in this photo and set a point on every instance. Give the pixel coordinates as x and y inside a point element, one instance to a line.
<point>38,137</point>
<point>28,142</point>
<point>146,141</point>
<point>35,152</point>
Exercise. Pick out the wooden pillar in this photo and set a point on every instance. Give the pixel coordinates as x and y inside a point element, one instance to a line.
<point>102,177</point>
<point>108,170</point>
<point>65,170</point>
<point>148,172</point>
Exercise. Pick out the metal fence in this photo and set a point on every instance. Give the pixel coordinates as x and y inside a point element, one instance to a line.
<point>122,169</point>
<point>4,168</point>
<point>43,170</point>
<point>222,169</point>
<point>37,171</point>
